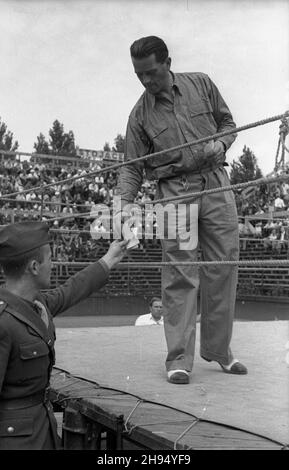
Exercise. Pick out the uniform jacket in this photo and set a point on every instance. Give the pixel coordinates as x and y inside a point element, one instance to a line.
<point>27,357</point>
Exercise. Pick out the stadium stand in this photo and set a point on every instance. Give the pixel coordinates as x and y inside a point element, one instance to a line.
<point>263,225</point>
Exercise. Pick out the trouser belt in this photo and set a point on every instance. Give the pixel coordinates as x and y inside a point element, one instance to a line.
<point>194,172</point>
<point>25,402</point>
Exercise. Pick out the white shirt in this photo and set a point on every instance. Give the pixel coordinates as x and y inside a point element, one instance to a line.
<point>279,203</point>
<point>282,236</point>
<point>148,319</point>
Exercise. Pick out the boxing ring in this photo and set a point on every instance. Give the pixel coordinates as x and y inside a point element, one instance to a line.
<point>109,384</point>
<point>117,380</point>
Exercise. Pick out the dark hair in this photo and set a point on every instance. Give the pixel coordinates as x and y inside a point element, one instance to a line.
<point>144,47</point>
<point>154,299</point>
<point>15,268</point>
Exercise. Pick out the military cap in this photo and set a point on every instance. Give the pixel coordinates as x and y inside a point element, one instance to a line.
<point>20,238</point>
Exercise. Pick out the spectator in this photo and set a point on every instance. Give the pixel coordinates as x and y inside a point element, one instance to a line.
<point>282,240</point>
<point>56,200</point>
<point>258,230</point>
<point>154,317</point>
<point>270,241</point>
<point>279,204</point>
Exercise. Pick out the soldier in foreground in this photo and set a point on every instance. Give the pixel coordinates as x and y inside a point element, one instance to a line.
<point>27,332</point>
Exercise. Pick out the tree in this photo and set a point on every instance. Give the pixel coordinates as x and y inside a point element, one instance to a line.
<point>6,138</point>
<point>118,144</point>
<point>41,146</point>
<point>246,169</point>
<point>69,144</point>
<point>106,147</point>
<point>61,143</point>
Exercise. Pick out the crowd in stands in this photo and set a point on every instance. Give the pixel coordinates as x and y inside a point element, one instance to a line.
<point>78,197</point>
<point>74,196</point>
<point>253,213</point>
<point>263,199</point>
<point>57,201</point>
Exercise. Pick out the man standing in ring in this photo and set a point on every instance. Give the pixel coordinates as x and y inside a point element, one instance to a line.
<point>177,108</point>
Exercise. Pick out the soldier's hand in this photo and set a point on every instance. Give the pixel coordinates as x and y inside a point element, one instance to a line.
<point>115,253</point>
<point>215,151</point>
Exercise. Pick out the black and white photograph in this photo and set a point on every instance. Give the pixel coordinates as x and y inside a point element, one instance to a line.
<point>144,228</point>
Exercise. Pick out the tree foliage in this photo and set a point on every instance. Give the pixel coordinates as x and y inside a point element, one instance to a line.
<point>246,169</point>
<point>41,146</point>
<point>118,144</point>
<point>106,147</point>
<point>60,142</point>
<point>6,138</point>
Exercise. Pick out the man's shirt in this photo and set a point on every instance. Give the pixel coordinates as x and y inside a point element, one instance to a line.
<point>156,123</point>
<point>148,319</point>
<point>279,203</point>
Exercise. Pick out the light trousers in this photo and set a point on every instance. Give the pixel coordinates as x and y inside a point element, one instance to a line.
<point>215,225</point>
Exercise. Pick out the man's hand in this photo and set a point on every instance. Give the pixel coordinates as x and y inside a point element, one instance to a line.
<point>115,253</point>
<point>215,151</point>
<point>118,221</point>
<point>126,224</point>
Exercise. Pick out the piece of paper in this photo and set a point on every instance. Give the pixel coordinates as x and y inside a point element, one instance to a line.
<point>130,233</point>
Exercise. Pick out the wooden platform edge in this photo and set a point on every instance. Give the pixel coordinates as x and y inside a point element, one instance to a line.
<point>96,417</point>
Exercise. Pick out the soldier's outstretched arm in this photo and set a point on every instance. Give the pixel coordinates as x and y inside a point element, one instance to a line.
<point>85,282</point>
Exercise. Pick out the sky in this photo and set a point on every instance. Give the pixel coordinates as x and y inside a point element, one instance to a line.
<point>69,60</point>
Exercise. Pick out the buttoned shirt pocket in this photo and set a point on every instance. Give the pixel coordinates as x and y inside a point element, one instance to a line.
<point>34,359</point>
<point>33,350</point>
<point>160,138</point>
<point>200,113</point>
<point>200,106</point>
<point>16,427</point>
<point>157,132</point>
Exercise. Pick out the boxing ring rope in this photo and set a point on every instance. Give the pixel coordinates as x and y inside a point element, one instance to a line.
<point>190,196</point>
<point>264,216</point>
<point>266,180</point>
<point>137,264</point>
<point>38,201</point>
<point>151,155</point>
<point>205,192</point>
